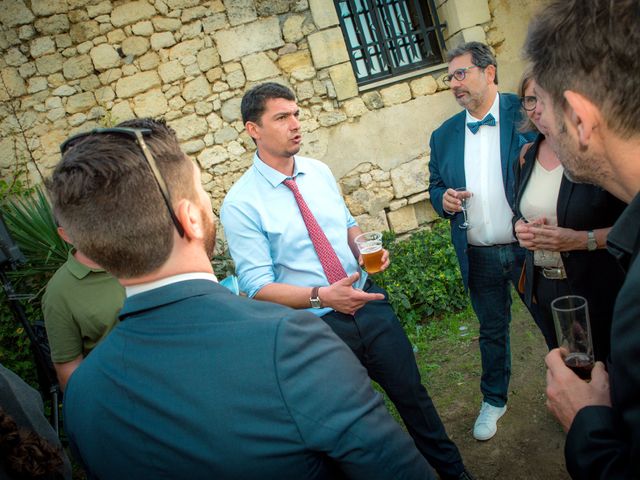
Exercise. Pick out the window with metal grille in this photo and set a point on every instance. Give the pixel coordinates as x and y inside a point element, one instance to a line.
<point>386,38</point>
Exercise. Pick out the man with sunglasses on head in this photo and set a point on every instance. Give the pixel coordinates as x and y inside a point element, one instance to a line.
<point>472,159</point>
<point>195,382</point>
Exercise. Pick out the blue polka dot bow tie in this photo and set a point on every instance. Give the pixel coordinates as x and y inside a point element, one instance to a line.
<point>475,126</point>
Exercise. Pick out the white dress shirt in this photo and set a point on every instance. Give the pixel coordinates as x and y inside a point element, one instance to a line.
<point>488,211</point>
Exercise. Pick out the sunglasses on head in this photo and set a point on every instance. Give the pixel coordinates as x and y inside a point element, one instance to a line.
<point>138,135</point>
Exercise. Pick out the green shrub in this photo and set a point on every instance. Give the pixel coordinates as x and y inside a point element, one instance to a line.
<point>423,279</point>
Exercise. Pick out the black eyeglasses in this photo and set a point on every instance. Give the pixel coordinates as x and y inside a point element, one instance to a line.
<point>137,134</point>
<point>458,74</point>
<point>529,103</point>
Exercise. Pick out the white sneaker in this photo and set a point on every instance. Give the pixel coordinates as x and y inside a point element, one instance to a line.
<point>486,423</point>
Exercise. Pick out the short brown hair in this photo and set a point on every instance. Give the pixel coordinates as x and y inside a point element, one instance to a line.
<point>591,47</point>
<point>106,198</point>
<point>525,125</point>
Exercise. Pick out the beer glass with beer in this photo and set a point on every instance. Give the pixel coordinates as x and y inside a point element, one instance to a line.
<point>370,247</point>
<point>571,319</point>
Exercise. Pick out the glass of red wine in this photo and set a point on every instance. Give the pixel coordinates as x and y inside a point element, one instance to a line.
<point>573,330</point>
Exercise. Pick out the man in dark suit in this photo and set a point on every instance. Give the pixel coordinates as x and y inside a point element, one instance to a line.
<point>195,382</point>
<point>475,151</point>
<point>587,87</point>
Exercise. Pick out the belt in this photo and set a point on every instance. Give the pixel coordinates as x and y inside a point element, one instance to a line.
<point>553,273</point>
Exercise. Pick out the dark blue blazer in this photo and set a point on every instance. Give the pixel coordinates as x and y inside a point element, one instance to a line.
<point>446,166</point>
<point>195,382</point>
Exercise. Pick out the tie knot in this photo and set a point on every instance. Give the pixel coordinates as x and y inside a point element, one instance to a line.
<point>291,184</point>
<point>489,120</point>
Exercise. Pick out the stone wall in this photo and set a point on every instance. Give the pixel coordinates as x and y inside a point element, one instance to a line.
<point>70,65</point>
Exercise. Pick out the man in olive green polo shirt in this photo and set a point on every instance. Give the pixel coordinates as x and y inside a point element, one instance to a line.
<point>80,307</point>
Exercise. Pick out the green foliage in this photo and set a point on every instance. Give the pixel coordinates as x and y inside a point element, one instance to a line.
<point>423,279</point>
<point>30,221</point>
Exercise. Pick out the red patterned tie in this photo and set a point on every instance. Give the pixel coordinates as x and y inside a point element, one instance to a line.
<point>331,265</point>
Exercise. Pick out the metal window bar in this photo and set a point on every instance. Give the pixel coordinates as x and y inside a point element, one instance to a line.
<point>390,37</point>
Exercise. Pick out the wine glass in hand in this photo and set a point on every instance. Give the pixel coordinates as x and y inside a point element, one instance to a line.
<point>465,203</point>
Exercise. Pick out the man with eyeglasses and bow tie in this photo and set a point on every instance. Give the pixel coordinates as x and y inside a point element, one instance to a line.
<point>472,161</point>
<point>293,242</point>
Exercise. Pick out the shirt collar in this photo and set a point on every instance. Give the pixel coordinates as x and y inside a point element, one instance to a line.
<point>163,282</point>
<point>624,238</point>
<point>78,269</point>
<point>494,110</point>
<point>275,177</point>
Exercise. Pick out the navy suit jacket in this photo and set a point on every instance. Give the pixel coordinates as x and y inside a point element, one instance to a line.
<point>195,382</point>
<point>446,166</point>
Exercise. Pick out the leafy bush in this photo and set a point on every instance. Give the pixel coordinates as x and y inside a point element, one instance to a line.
<point>423,279</point>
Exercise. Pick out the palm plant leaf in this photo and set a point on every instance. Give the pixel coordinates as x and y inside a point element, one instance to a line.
<point>32,225</point>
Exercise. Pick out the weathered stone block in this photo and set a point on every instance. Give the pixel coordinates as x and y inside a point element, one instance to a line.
<point>52,25</point>
<point>183,49</point>
<point>41,46</point>
<point>328,48</point>
<point>225,134</point>
<point>425,212</point>
<point>472,34</point>
<point>304,73</point>
<point>424,86</point>
<point>143,29</point>
<point>461,14</point>
<point>77,67</point>
<point>292,28</point>
<point>230,110</point>
<point>264,34</point>
<point>101,8</point>
<point>324,13</point>
<point>14,13</point>
<point>104,57</point>
<point>80,102</point>
<point>44,8</point>
<point>14,58</point>
<point>304,90</point>
<point>259,66</point>
<point>189,127</point>
<point>81,32</point>
<point>236,79</point>
<point>212,156</point>
<point>149,61</point>
<point>171,71</point>
<point>355,107</point>
<point>162,24</point>
<point>208,58</point>
<point>240,11</point>
<point>369,200</point>
<point>293,61</point>
<point>373,100</point>
<point>403,220</point>
<point>344,81</point>
<point>214,22</point>
<point>396,94</point>
<point>131,12</point>
<point>36,84</point>
<point>410,178</point>
<point>135,46</point>
<point>13,82</point>
<point>327,119</point>
<point>49,63</point>
<point>150,104</point>
<point>138,83</point>
<point>121,112</point>
<point>197,89</point>
<point>375,222</point>
<point>162,40</point>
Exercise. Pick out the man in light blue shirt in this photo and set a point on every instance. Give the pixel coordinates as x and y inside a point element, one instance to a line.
<point>276,261</point>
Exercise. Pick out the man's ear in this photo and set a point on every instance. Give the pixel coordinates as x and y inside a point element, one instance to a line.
<point>63,235</point>
<point>190,217</point>
<point>490,72</point>
<point>252,129</point>
<point>584,116</point>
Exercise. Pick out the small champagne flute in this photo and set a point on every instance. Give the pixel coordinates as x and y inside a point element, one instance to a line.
<point>465,203</point>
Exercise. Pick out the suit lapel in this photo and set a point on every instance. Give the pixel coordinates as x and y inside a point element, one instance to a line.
<point>566,188</point>
<point>506,136</point>
<point>458,151</point>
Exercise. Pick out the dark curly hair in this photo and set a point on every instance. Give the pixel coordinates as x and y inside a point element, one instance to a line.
<point>26,455</point>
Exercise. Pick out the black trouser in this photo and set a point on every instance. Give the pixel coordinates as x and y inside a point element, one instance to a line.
<point>376,337</point>
<point>546,291</point>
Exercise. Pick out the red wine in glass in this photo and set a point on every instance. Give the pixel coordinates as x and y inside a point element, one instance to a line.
<point>580,363</point>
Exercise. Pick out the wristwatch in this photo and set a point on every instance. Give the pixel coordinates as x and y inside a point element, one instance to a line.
<point>592,244</point>
<point>315,298</point>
